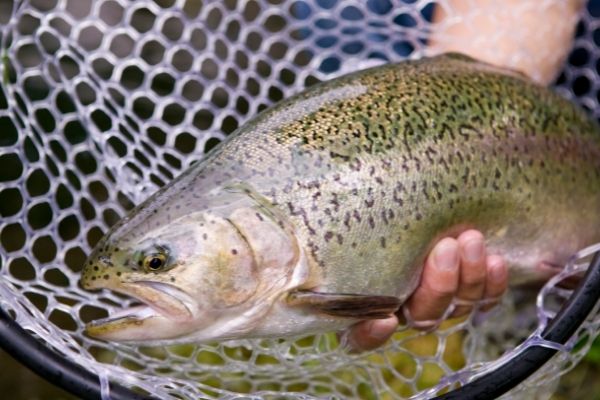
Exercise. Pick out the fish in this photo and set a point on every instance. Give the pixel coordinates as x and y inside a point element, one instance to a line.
<point>319,212</point>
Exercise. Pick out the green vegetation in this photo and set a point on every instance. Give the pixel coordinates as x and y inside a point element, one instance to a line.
<point>593,356</point>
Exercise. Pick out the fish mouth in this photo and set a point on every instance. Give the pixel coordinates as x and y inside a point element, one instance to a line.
<point>161,302</point>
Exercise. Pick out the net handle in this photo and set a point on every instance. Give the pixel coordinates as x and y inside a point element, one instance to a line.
<point>55,368</point>
<point>508,375</point>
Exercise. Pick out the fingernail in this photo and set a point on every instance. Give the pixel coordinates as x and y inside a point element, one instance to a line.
<point>446,255</point>
<point>473,250</point>
<point>383,331</point>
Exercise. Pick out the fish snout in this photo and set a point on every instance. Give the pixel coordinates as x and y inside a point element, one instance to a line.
<point>104,262</point>
<point>88,281</point>
<point>96,273</point>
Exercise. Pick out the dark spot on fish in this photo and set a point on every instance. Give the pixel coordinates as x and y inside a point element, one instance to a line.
<point>384,217</point>
<point>172,279</point>
<point>204,236</point>
<point>234,251</point>
<point>347,220</point>
<point>118,273</point>
<point>328,236</point>
<point>106,276</point>
<point>95,268</point>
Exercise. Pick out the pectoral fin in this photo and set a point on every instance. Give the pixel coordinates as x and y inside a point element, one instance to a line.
<point>358,306</point>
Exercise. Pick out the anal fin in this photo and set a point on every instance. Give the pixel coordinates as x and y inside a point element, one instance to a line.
<point>360,306</point>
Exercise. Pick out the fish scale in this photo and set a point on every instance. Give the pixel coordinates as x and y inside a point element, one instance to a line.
<point>351,183</point>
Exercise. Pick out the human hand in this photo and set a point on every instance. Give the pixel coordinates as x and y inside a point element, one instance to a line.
<point>455,268</point>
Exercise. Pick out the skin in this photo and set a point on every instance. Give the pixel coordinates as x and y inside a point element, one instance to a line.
<point>473,275</point>
<point>513,33</point>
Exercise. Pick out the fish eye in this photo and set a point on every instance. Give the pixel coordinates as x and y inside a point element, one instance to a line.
<point>155,262</point>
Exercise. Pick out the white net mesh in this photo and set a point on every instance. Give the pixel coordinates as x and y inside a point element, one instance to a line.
<point>101,102</point>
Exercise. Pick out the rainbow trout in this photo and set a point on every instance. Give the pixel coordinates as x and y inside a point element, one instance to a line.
<point>319,212</point>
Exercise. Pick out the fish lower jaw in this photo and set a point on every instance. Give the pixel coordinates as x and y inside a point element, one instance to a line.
<point>121,318</point>
<point>166,313</point>
<point>139,325</point>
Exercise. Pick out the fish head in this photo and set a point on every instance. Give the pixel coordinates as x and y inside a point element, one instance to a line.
<point>187,274</point>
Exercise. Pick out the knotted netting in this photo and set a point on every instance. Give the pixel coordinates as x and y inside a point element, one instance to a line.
<point>102,102</point>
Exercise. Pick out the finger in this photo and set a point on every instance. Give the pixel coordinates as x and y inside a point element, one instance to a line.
<point>368,335</point>
<point>439,283</point>
<point>472,275</point>
<point>496,281</point>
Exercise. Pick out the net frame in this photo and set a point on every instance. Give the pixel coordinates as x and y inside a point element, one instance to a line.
<point>130,176</point>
